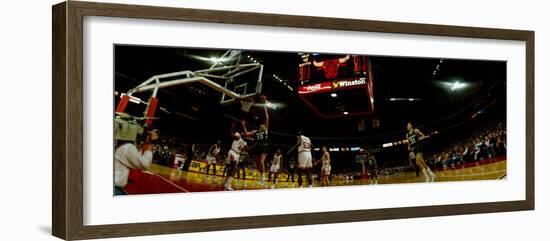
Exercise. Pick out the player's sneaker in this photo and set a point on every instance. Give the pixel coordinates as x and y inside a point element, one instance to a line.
<point>310,185</point>
<point>273,186</point>
<point>228,187</point>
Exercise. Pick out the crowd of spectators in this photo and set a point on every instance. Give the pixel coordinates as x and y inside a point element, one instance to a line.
<point>486,143</point>
<point>169,146</point>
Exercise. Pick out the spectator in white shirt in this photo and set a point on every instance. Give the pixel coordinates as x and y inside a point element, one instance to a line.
<point>127,156</point>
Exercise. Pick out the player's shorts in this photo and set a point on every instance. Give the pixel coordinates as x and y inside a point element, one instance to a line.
<point>304,160</point>
<point>241,163</point>
<point>233,156</point>
<point>264,149</point>
<point>210,160</point>
<point>274,168</point>
<point>417,149</point>
<point>326,169</point>
<point>371,169</point>
<point>242,160</point>
<point>261,149</point>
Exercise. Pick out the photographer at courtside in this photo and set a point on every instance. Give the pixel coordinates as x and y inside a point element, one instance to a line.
<point>128,156</point>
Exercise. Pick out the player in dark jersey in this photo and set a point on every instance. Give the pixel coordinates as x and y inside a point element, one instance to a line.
<point>372,168</point>
<point>241,167</point>
<point>414,138</point>
<point>261,137</point>
<point>291,171</point>
<point>412,162</point>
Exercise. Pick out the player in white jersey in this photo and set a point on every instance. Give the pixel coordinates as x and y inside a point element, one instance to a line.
<point>233,157</point>
<point>275,166</point>
<point>304,158</point>
<point>325,169</point>
<point>211,159</point>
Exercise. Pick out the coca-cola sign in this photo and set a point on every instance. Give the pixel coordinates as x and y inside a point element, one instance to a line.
<point>315,88</point>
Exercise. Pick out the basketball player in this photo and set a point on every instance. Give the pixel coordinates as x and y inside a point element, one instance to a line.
<point>233,157</point>
<point>276,166</point>
<point>412,162</point>
<point>211,159</point>
<point>291,170</point>
<point>246,104</point>
<point>325,170</point>
<point>304,158</point>
<point>372,168</point>
<point>227,161</point>
<point>414,136</point>
<point>241,167</point>
<point>261,136</point>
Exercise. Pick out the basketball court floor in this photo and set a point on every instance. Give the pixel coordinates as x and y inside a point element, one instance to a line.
<point>161,179</point>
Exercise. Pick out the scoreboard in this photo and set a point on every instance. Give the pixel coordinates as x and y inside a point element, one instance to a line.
<point>347,78</point>
<point>318,68</point>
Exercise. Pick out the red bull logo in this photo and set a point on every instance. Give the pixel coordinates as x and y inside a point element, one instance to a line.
<point>332,66</point>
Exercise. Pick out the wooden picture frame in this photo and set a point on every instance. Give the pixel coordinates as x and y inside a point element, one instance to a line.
<point>67,150</point>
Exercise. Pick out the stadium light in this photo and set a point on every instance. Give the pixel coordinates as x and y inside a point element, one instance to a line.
<point>387,145</point>
<point>453,85</point>
<point>334,95</point>
<point>457,85</point>
<point>271,105</point>
<point>218,60</point>
<point>345,112</point>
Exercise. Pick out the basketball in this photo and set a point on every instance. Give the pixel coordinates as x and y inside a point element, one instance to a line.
<point>263,98</point>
